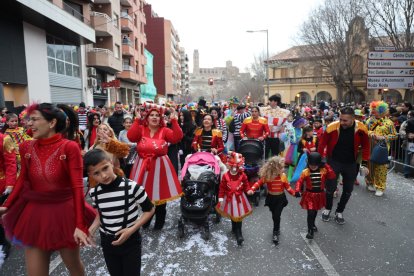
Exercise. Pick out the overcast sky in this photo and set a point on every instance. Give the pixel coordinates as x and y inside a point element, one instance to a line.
<point>217,28</point>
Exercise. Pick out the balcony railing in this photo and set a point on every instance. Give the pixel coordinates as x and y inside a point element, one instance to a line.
<point>104,15</point>
<point>128,68</point>
<point>127,42</point>
<point>125,15</point>
<point>321,79</point>
<point>101,50</point>
<point>75,13</point>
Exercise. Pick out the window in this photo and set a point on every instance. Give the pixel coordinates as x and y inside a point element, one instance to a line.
<point>63,58</point>
<point>142,48</point>
<point>117,51</point>
<point>136,44</point>
<point>143,69</point>
<point>116,20</point>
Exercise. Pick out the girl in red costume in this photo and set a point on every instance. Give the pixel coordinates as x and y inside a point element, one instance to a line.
<point>255,127</point>
<point>272,174</point>
<point>309,142</point>
<point>313,179</point>
<point>46,210</point>
<point>153,168</point>
<point>233,202</point>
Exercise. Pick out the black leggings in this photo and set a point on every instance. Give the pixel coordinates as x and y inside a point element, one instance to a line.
<point>276,203</point>
<point>311,218</point>
<point>160,214</point>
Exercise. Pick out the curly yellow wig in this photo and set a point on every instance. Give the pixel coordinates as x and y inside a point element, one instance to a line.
<point>272,168</point>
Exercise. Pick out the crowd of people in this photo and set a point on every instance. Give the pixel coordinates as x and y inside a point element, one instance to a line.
<point>131,156</point>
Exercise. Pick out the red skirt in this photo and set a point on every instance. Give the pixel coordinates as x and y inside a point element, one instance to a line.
<point>313,201</point>
<point>234,208</point>
<point>46,225</point>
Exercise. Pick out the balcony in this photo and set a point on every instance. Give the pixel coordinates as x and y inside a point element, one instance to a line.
<point>126,3</point>
<point>126,23</point>
<point>104,59</point>
<point>321,79</point>
<point>127,48</point>
<point>128,73</point>
<point>102,1</point>
<point>103,24</point>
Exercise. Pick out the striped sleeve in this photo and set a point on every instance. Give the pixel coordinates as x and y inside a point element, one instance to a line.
<point>142,198</point>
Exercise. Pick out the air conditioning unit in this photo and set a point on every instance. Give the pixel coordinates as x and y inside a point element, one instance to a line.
<point>91,72</point>
<point>92,82</point>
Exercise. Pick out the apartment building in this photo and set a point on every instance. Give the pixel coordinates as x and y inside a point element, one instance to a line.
<point>163,43</point>
<point>185,76</point>
<point>42,51</point>
<point>117,60</point>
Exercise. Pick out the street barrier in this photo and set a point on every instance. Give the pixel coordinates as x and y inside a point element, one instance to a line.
<point>401,156</point>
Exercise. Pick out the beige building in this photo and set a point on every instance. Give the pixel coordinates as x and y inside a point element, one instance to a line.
<point>298,77</point>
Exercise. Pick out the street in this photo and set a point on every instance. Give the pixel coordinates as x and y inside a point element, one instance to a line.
<point>377,239</point>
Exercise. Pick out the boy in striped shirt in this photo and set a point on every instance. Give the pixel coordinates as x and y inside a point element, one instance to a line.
<point>116,199</point>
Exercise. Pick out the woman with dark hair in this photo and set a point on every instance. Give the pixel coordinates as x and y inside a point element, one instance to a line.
<point>255,127</point>
<point>187,126</point>
<point>218,122</point>
<point>46,210</point>
<point>208,138</point>
<point>72,131</point>
<point>94,120</point>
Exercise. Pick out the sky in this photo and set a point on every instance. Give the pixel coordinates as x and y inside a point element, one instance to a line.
<point>217,28</point>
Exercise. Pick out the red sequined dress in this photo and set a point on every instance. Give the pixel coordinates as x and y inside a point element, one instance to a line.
<point>314,197</point>
<point>47,203</point>
<point>152,168</point>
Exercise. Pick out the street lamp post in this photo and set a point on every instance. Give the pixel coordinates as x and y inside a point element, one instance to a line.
<point>267,60</point>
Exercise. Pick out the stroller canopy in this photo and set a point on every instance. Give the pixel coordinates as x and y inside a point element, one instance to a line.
<point>201,158</point>
<point>252,150</point>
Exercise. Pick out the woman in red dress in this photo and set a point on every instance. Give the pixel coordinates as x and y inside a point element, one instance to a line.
<point>153,169</point>
<point>46,210</point>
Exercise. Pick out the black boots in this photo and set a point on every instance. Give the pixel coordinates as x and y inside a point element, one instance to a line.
<point>310,234</point>
<point>276,237</point>
<point>233,227</point>
<point>238,231</point>
<point>160,214</point>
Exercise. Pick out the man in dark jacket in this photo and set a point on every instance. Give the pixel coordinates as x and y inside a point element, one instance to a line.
<point>117,119</point>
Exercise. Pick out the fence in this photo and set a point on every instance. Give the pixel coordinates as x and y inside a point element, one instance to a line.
<point>401,157</point>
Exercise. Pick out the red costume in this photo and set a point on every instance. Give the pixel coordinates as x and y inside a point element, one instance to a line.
<point>331,135</point>
<point>318,133</point>
<point>152,168</point>
<point>314,198</point>
<point>308,143</point>
<point>8,167</point>
<point>48,203</point>
<point>216,140</point>
<point>276,186</point>
<point>254,129</point>
<point>232,189</point>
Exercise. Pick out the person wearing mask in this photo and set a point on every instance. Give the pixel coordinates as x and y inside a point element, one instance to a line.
<point>342,140</point>
<point>116,121</point>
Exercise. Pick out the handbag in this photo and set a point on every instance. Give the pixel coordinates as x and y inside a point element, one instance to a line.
<point>379,154</point>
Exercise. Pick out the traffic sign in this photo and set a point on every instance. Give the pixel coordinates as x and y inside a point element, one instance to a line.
<point>390,63</point>
<point>391,55</point>
<point>390,82</point>
<point>379,72</point>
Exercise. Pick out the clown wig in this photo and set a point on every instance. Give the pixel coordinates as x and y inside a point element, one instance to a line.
<point>379,107</point>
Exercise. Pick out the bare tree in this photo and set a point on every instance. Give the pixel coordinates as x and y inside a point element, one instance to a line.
<point>336,39</point>
<point>391,22</point>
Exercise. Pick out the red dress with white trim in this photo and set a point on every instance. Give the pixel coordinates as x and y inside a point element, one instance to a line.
<point>47,203</point>
<point>314,197</point>
<point>152,168</point>
<point>233,189</point>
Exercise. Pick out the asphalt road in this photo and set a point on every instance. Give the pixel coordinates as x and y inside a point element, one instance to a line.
<point>377,239</point>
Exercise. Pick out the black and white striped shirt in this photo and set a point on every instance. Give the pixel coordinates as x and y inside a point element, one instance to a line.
<point>238,121</point>
<point>110,201</point>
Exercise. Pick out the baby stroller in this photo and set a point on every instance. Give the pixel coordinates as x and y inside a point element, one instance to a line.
<point>252,151</point>
<point>200,182</point>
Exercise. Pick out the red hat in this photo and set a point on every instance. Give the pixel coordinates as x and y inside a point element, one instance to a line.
<point>235,159</point>
<point>152,106</point>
